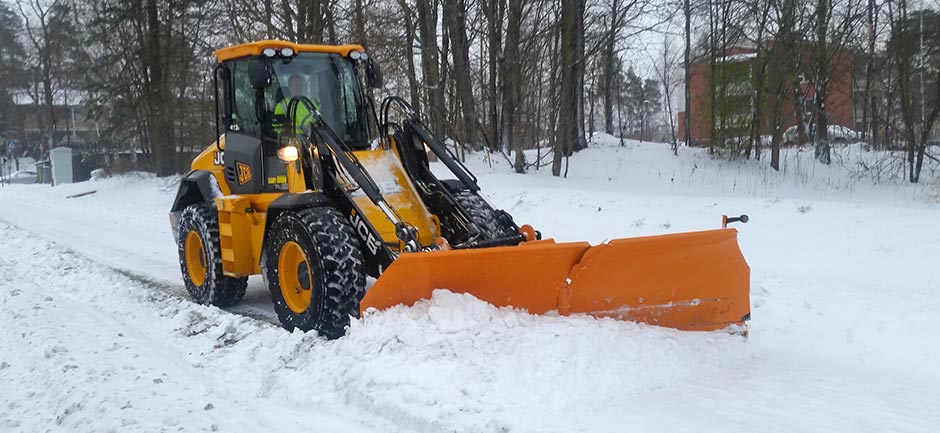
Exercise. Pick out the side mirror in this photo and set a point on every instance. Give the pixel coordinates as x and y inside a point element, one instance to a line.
<point>259,73</point>
<point>373,74</point>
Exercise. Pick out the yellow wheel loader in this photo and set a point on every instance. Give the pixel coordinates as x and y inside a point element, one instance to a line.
<point>313,188</point>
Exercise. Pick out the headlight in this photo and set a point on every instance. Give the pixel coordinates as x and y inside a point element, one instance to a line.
<point>287,51</point>
<point>287,153</point>
<point>269,52</point>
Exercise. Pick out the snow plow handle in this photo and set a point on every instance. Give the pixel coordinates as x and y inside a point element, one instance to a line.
<point>725,220</point>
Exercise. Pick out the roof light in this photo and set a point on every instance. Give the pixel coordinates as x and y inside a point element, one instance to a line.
<point>356,55</point>
<point>269,52</point>
<point>287,52</point>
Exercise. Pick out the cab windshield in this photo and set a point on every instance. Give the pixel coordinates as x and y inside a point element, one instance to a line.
<point>328,80</point>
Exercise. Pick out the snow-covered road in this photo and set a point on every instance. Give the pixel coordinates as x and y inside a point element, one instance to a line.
<point>98,335</point>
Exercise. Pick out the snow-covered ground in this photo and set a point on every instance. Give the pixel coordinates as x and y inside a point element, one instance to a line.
<point>97,335</point>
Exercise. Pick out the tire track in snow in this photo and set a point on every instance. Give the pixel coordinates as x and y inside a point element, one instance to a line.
<point>139,343</point>
<point>256,305</point>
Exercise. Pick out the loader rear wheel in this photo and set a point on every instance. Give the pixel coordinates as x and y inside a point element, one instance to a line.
<point>201,260</point>
<point>312,265</point>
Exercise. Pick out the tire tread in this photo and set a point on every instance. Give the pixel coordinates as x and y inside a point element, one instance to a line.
<point>218,289</point>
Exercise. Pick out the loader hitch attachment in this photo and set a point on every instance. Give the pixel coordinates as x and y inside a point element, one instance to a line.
<point>412,122</point>
<point>451,199</point>
<point>444,155</point>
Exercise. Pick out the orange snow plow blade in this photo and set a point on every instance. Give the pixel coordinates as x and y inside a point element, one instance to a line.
<point>688,281</point>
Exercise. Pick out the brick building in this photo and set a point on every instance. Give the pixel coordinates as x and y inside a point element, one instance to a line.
<point>738,68</point>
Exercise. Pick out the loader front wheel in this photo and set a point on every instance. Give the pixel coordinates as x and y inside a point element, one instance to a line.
<point>201,260</point>
<point>495,223</point>
<point>312,265</point>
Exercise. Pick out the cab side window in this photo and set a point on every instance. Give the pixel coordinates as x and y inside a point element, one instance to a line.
<point>244,111</point>
<point>348,81</point>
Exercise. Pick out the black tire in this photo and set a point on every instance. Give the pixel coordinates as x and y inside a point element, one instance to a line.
<point>495,224</point>
<point>217,288</point>
<point>335,260</point>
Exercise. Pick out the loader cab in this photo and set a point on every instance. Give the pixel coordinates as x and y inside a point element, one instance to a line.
<point>255,111</point>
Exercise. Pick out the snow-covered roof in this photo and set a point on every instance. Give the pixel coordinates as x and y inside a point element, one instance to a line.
<point>739,57</point>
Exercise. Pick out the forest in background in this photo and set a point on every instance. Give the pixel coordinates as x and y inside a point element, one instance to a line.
<point>500,75</point>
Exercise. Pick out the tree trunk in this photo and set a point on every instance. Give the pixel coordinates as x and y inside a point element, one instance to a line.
<point>592,101</point>
<point>553,80</point>
<point>47,128</point>
<point>781,56</point>
<point>868,132</point>
<point>409,52</point>
<point>759,82</point>
<point>512,79</point>
<point>359,24</point>
<point>580,143</point>
<point>455,18</point>
<point>608,75</point>
<point>160,131</point>
<point>567,130</point>
<point>688,73</point>
<point>288,13</point>
<point>494,18</point>
<point>713,78</point>
<point>430,64</point>
<point>315,24</point>
<point>270,30</point>
<point>329,23</point>
<point>822,82</point>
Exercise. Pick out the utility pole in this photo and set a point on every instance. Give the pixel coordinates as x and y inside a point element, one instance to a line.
<point>68,124</point>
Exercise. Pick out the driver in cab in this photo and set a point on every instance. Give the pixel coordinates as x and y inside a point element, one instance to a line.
<point>295,89</point>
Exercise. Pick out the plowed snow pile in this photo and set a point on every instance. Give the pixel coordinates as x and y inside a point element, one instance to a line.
<point>97,335</point>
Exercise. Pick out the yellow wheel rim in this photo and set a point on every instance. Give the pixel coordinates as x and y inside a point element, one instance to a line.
<point>195,258</point>
<point>295,277</point>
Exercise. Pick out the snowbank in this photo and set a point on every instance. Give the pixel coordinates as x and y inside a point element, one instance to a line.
<point>651,168</point>
<point>99,335</point>
<point>108,351</point>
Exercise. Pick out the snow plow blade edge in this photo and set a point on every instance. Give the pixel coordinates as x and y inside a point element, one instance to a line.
<point>688,281</point>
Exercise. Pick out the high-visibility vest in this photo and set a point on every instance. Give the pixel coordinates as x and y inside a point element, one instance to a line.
<point>301,118</point>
